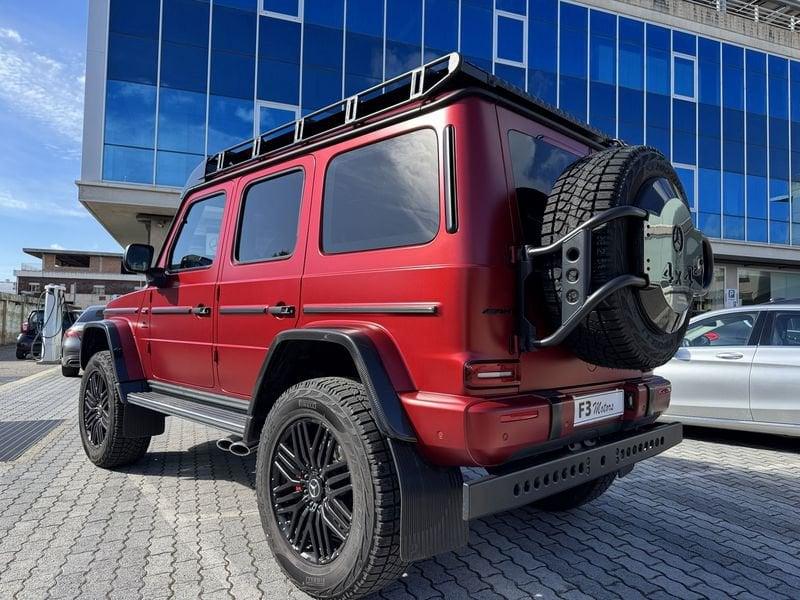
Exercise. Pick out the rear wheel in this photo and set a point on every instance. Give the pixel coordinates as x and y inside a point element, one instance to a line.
<point>100,417</point>
<point>21,354</point>
<point>328,492</point>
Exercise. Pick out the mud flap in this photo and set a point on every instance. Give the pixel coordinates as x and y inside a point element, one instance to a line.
<point>430,505</point>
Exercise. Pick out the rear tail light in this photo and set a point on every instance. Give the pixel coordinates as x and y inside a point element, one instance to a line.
<point>25,327</point>
<point>71,333</point>
<point>491,374</point>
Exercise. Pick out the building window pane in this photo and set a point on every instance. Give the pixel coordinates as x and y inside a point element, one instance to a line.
<point>284,7</point>
<point>185,22</point>
<point>269,218</point>
<point>230,121</point>
<point>173,168</point>
<point>270,117</point>
<point>232,74</point>
<point>476,33</point>
<point>135,17</point>
<point>441,27</point>
<point>328,13</point>
<point>687,175</point>
<point>403,210</point>
<point>184,67</point>
<point>181,121</point>
<point>510,39</point>
<point>130,114</point>
<point>683,77</point>
<point>133,165</point>
<point>233,30</point>
<point>132,58</point>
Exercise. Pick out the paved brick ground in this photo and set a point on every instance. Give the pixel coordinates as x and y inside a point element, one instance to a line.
<point>11,368</point>
<point>715,517</point>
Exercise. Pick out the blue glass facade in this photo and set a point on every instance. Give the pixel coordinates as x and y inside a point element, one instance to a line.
<point>186,78</point>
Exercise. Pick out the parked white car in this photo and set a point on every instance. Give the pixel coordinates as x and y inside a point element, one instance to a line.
<point>739,369</point>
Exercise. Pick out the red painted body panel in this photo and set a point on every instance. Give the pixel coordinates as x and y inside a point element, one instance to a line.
<point>468,276</point>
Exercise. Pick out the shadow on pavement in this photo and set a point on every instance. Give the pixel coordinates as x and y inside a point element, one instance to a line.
<point>765,441</point>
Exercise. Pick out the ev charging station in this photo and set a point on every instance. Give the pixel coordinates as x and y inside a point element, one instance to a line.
<point>52,323</point>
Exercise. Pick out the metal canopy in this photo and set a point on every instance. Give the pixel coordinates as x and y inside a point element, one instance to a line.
<point>778,13</point>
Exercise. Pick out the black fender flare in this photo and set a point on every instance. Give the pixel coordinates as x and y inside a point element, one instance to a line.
<point>389,414</point>
<point>120,342</point>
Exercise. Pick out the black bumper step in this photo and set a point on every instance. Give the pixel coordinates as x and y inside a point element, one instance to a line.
<point>227,419</point>
<point>497,493</point>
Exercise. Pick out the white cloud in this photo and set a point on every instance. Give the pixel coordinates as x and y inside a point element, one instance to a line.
<point>10,34</point>
<point>56,247</point>
<point>40,209</point>
<point>40,87</point>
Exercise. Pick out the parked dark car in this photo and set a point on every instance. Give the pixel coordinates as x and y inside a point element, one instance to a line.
<point>71,344</point>
<point>29,341</point>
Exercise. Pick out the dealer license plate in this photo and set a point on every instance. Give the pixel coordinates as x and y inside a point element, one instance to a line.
<point>599,407</point>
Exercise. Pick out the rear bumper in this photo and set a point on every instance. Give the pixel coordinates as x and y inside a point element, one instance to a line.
<point>474,431</point>
<point>497,493</point>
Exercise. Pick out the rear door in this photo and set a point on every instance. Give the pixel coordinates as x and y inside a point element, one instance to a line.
<point>775,378</point>
<point>259,288</point>
<point>710,374</point>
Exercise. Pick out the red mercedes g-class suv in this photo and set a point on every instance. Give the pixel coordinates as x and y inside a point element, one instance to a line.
<point>435,273</point>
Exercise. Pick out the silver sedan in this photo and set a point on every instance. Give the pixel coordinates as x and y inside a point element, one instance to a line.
<point>739,368</point>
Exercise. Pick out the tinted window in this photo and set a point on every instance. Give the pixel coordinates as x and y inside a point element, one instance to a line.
<point>383,195</point>
<point>536,166</point>
<point>93,313</point>
<point>269,218</point>
<point>785,330</point>
<point>722,330</point>
<point>196,245</point>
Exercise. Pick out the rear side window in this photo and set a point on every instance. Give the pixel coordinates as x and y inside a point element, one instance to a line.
<point>536,165</point>
<point>785,330</point>
<point>270,210</point>
<point>384,195</point>
<point>733,329</point>
<point>196,245</point>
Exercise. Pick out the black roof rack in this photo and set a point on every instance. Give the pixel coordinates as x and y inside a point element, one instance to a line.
<point>449,72</point>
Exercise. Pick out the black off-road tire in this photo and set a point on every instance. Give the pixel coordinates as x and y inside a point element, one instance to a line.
<point>618,333</point>
<point>21,354</point>
<point>114,450</point>
<point>70,371</point>
<point>369,558</point>
<point>577,496</point>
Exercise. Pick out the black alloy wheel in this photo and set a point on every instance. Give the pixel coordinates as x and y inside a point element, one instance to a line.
<point>95,409</point>
<point>311,490</point>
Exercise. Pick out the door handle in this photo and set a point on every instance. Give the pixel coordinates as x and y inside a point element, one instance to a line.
<point>730,355</point>
<point>201,311</point>
<point>281,310</point>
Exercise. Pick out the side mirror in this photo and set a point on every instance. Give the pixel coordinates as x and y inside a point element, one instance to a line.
<point>138,258</point>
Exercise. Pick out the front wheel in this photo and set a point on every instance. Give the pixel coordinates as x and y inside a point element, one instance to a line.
<point>328,491</point>
<point>100,417</point>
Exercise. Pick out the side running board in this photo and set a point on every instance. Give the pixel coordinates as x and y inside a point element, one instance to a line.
<point>227,418</point>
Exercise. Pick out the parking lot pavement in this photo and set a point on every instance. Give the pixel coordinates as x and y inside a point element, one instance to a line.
<point>11,368</point>
<point>715,517</point>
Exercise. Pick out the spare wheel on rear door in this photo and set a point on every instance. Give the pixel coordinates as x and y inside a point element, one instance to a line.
<point>634,328</point>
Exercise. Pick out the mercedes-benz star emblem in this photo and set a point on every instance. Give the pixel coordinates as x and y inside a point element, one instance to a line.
<point>677,239</point>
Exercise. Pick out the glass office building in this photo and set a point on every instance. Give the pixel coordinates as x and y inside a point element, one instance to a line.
<point>183,79</point>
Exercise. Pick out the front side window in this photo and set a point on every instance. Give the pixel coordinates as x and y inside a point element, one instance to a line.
<point>270,212</point>
<point>536,165</point>
<point>384,195</point>
<point>722,330</point>
<point>196,244</point>
<point>785,330</point>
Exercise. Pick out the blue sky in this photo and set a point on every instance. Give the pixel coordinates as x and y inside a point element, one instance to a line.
<point>42,56</point>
